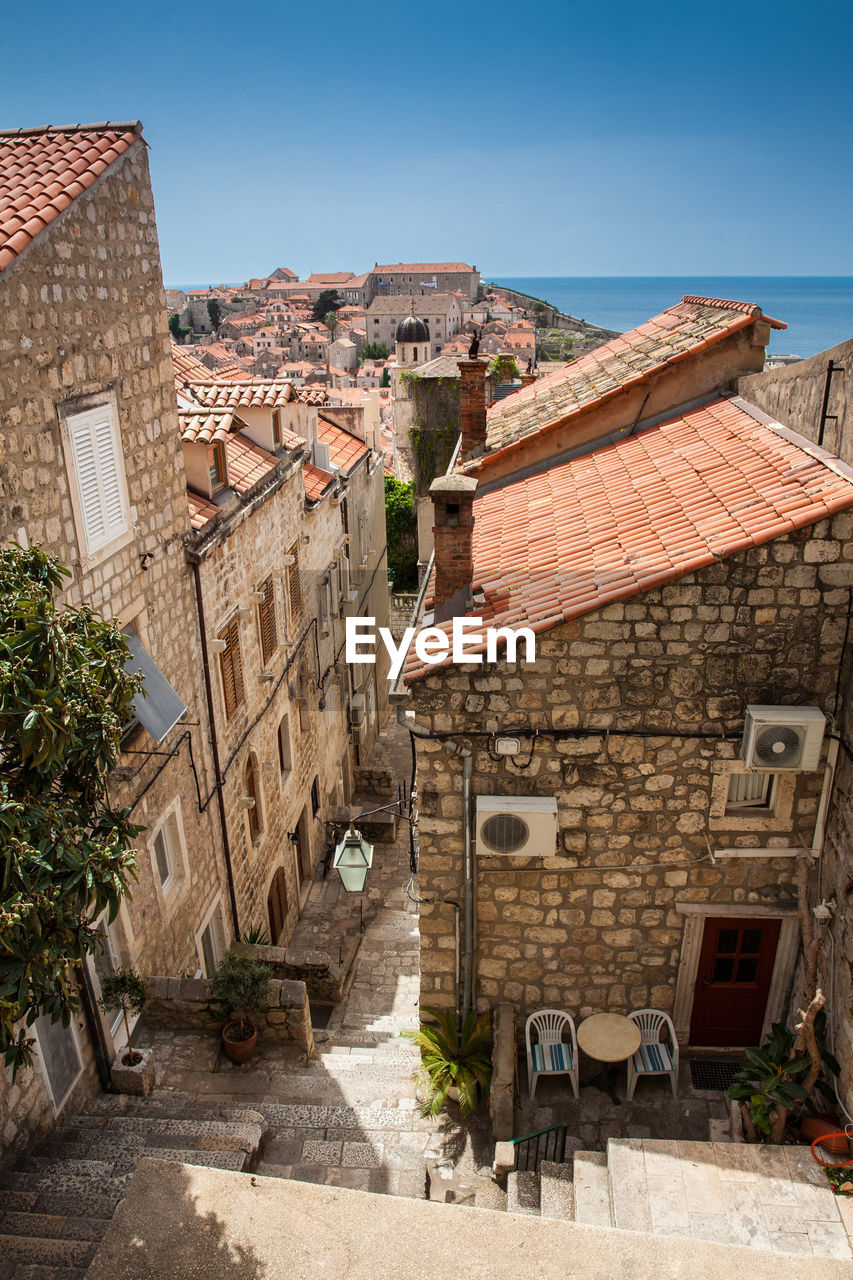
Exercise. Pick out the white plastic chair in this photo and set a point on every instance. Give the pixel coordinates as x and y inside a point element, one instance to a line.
<point>654,1057</point>
<point>549,1054</point>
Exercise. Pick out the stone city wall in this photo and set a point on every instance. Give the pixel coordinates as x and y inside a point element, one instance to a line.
<point>595,927</point>
<point>794,394</point>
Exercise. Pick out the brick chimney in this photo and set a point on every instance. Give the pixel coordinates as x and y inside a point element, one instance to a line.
<point>453,531</point>
<point>472,399</point>
<point>527,379</point>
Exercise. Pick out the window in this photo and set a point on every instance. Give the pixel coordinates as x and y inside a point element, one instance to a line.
<point>211,942</point>
<point>231,668</point>
<point>266,620</point>
<point>276,427</point>
<point>60,1052</point>
<point>751,793</point>
<point>315,798</point>
<point>95,458</point>
<point>161,855</point>
<point>216,466</point>
<point>252,792</point>
<point>294,583</point>
<point>285,754</point>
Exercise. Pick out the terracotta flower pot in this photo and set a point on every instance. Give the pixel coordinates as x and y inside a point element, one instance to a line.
<point>238,1051</point>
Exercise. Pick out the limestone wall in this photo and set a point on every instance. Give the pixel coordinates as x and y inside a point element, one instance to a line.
<point>186,1003</point>
<point>794,395</point>
<point>597,926</point>
<point>323,975</point>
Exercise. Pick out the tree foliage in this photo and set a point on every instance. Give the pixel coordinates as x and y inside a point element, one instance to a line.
<point>64,849</point>
<point>327,301</point>
<point>455,1058</point>
<point>214,312</point>
<point>402,533</point>
<point>375,351</point>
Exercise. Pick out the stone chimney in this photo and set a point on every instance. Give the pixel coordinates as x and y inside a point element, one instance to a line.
<point>453,532</point>
<point>527,379</point>
<point>472,399</point>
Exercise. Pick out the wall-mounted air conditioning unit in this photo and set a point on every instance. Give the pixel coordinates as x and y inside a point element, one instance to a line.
<point>516,826</point>
<point>781,739</point>
<point>356,711</point>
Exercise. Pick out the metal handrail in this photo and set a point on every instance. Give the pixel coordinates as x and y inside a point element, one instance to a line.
<point>553,1150</point>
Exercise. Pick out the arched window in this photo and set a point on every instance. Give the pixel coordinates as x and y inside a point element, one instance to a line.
<point>414,353</point>
<point>252,792</point>
<point>277,906</point>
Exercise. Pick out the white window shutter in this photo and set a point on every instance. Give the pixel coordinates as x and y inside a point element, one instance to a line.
<point>98,468</point>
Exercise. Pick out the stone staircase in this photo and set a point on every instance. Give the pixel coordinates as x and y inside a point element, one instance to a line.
<point>57,1202</point>
<point>773,1199</point>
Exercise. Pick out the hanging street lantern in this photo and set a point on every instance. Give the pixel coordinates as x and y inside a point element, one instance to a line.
<point>352,861</point>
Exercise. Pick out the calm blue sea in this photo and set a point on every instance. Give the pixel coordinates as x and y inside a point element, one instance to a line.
<point>818,309</point>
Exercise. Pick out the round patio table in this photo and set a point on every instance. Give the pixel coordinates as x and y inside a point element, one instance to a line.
<point>609,1038</point>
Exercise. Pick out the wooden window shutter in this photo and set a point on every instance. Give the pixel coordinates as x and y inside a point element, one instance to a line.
<point>99,475</point>
<point>231,666</point>
<point>294,581</point>
<point>252,790</point>
<point>277,905</point>
<point>266,615</point>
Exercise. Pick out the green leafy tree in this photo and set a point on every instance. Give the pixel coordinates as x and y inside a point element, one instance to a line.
<point>64,849</point>
<point>402,533</point>
<point>214,312</point>
<point>327,301</point>
<point>375,351</point>
<point>175,326</point>
<point>126,991</point>
<point>331,321</point>
<point>386,378</point>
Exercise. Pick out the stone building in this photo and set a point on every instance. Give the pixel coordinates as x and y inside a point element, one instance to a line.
<point>627,850</point>
<point>442,313</point>
<point>421,278</point>
<point>92,473</point>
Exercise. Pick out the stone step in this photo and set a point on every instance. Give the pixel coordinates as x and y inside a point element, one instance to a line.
<point>629,1194</point>
<point>205,1135</point>
<point>306,1116</point>
<point>41,1271</point>
<point>592,1192</point>
<point>58,1203</point>
<point>52,1226</point>
<point>164,1106</point>
<point>557,1191</point>
<point>522,1191</point>
<point>35,1250</point>
<point>488,1195</point>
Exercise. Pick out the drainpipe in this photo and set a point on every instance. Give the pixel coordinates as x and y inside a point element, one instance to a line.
<point>214,745</point>
<point>457,960</point>
<point>94,1027</point>
<point>823,806</point>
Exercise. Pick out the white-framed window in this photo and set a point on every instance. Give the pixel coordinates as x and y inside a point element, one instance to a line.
<point>168,850</point>
<point>751,793</point>
<point>95,462</point>
<point>59,1049</point>
<point>285,750</point>
<point>210,939</point>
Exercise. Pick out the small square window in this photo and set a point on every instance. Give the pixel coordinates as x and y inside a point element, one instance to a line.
<point>216,466</point>
<point>751,793</point>
<point>162,854</point>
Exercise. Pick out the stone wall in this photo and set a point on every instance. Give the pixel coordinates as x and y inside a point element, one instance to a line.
<point>639,708</point>
<point>181,1004</point>
<point>794,395</point>
<point>323,975</point>
<point>402,608</point>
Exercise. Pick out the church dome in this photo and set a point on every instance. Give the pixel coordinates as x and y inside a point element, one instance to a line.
<point>412,330</point>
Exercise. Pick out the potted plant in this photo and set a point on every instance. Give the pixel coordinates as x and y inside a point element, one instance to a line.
<point>777,1079</point>
<point>133,1069</point>
<point>238,986</point>
<point>457,1060</point>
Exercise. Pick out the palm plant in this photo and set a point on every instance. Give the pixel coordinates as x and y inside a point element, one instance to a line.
<point>455,1058</point>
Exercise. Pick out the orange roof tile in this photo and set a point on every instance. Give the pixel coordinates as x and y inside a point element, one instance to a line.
<point>259,393</point>
<point>203,426</point>
<point>328,277</point>
<point>201,509</point>
<point>43,170</point>
<point>317,481</point>
<point>691,326</point>
<point>345,450</point>
<point>187,367</point>
<point>710,482</point>
<point>247,462</point>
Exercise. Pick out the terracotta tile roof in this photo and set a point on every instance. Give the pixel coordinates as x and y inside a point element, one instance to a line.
<point>187,367</point>
<point>201,509</point>
<point>357,282</point>
<point>43,170</point>
<point>709,483</point>
<point>233,373</point>
<point>247,462</point>
<point>311,395</point>
<point>317,481</point>
<point>688,328</point>
<point>412,267</point>
<point>328,277</point>
<point>258,393</point>
<point>203,426</point>
<point>345,450</point>
<point>390,304</point>
<point>444,366</point>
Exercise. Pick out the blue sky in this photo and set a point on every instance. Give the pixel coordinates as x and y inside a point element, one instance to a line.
<point>559,139</point>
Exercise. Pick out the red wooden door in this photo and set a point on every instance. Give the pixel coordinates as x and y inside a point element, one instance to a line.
<point>277,905</point>
<point>735,967</point>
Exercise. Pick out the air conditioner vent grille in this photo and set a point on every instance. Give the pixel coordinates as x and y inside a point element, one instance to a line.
<point>505,832</point>
<point>779,744</point>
